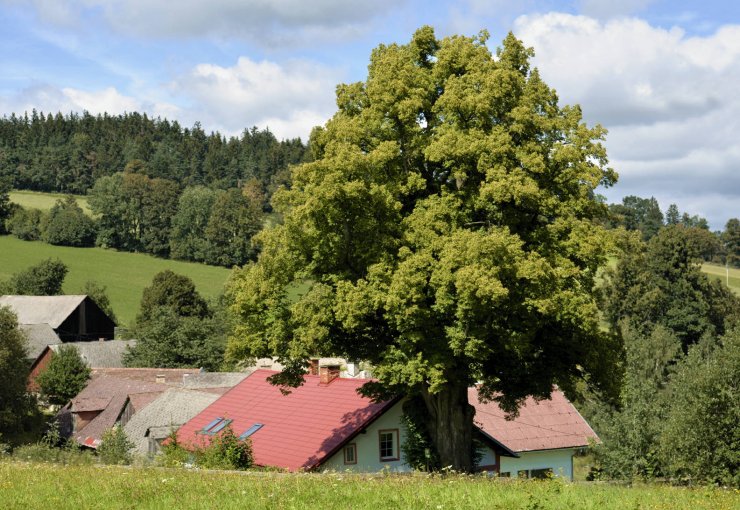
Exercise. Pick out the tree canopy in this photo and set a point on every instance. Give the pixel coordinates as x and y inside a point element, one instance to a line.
<point>13,371</point>
<point>65,376</point>
<point>43,279</point>
<point>447,227</point>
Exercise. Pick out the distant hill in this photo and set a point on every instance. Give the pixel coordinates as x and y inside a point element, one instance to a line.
<point>124,274</point>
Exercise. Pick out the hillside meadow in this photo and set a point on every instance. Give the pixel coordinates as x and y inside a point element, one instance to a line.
<point>724,275</point>
<point>31,485</point>
<point>124,274</point>
<point>43,201</point>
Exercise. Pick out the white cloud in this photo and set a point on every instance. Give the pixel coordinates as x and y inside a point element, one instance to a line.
<point>50,99</point>
<point>289,99</point>
<point>669,101</point>
<point>265,22</point>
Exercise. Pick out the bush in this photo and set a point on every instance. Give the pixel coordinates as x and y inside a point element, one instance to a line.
<point>65,376</point>
<point>68,225</point>
<point>224,451</point>
<point>115,447</point>
<point>27,224</point>
<point>43,279</point>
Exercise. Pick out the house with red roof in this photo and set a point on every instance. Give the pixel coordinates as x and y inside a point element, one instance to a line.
<point>326,425</point>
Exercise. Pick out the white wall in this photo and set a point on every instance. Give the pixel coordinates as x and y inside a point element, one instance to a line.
<point>368,453</point>
<point>368,447</point>
<point>560,461</point>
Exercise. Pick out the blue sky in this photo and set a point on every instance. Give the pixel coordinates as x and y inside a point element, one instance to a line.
<point>662,76</point>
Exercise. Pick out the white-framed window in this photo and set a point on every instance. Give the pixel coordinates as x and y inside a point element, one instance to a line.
<point>350,454</point>
<point>388,444</point>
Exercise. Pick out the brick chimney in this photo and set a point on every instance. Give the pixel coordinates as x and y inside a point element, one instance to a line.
<point>328,373</point>
<point>313,366</point>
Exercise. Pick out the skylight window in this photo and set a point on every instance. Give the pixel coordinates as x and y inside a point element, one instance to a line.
<point>215,426</point>
<point>251,430</point>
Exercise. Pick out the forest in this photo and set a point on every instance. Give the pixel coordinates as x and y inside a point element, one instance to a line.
<point>153,186</point>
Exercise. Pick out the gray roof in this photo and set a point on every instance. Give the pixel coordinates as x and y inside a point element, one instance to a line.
<point>97,354</point>
<point>173,408</point>
<point>39,336</point>
<point>214,379</point>
<point>51,310</point>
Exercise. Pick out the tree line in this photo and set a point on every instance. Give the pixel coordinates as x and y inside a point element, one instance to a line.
<point>68,153</point>
<point>644,215</point>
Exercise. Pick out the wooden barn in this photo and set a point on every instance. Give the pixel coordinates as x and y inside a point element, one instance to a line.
<point>68,318</point>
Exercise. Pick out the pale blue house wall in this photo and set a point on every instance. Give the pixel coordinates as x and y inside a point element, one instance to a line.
<point>368,447</point>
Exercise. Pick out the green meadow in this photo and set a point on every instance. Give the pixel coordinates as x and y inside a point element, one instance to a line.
<point>43,201</point>
<point>32,485</point>
<point>731,275</point>
<point>124,274</point>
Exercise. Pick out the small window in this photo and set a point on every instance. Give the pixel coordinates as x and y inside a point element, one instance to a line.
<point>218,428</point>
<point>541,473</point>
<point>388,445</point>
<point>251,430</point>
<point>505,474</point>
<point>350,454</point>
<point>211,425</point>
<point>215,426</point>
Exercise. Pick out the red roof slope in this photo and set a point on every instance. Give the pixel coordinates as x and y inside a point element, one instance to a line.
<point>300,429</point>
<point>543,425</point>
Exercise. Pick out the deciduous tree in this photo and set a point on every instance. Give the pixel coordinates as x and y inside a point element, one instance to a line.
<point>65,376</point>
<point>448,228</point>
<point>13,371</point>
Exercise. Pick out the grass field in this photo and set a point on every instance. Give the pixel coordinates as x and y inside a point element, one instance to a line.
<point>24,486</point>
<point>124,274</point>
<point>43,201</point>
<point>719,273</point>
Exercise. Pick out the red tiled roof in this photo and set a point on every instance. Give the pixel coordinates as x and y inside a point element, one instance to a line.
<point>300,429</point>
<point>544,425</point>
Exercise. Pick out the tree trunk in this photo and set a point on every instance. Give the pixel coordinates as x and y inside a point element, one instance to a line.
<point>451,425</point>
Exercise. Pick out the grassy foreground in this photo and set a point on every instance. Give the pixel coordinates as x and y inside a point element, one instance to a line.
<point>25,486</point>
<point>43,201</point>
<point>124,274</point>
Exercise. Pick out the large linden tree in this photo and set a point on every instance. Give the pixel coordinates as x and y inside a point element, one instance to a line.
<point>446,228</point>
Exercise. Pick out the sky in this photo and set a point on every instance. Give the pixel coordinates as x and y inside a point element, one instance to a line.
<point>662,76</point>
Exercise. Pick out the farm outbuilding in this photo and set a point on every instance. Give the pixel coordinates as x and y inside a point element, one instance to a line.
<point>72,318</point>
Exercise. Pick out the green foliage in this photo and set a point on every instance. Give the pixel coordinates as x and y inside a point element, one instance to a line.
<point>67,455</point>
<point>65,376</point>
<point>174,291</point>
<point>448,225</point>
<point>169,340</point>
<point>635,213</point>
<point>224,451</point>
<point>672,216</point>
<point>43,279</point>
<point>135,212</point>
<point>731,241</point>
<point>67,153</point>
<point>631,434</point>
<point>13,372</point>
<point>68,225</point>
<point>115,447</point>
<point>234,220</point>
<point>98,293</point>
<point>188,239</point>
<point>6,207</point>
<point>173,454</point>
<point>26,224</point>
<point>661,283</point>
<point>701,437</point>
<point>418,449</point>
